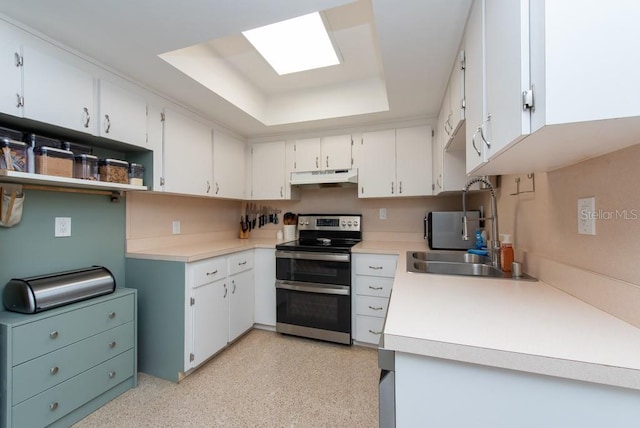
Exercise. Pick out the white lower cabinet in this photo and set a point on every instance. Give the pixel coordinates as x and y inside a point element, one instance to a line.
<point>373,280</point>
<point>241,291</point>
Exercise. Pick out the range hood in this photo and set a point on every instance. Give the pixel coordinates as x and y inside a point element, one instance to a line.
<point>329,178</point>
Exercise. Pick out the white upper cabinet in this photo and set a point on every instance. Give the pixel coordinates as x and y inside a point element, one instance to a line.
<point>396,162</point>
<point>229,174</point>
<point>549,71</point>
<point>56,92</point>
<point>122,115</point>
<point>326,153</point>
<point>11,81</point>
<point>268,171</point>
<point>188,158</point>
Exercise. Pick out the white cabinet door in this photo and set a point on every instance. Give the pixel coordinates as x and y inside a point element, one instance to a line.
<point>210,311</point>
<point>268,171</point>
<point>307,155</point>
<point>241,303</point>
<point>413,161</point>
<point>474,86</point>
<point>507,72</point>
<point>188,159</point>
<point>229,160</point>
<point>377,173</point>
<point>265,289</point>
<point>438,152</point>
<point>455,117</point>
<point>11,81</point>
<point>56,92</point>
<point>336,152</point>
<point>122,115</point>
<point>155,144</point>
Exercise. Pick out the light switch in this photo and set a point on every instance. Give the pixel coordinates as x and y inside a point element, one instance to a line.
<point>587,216</point>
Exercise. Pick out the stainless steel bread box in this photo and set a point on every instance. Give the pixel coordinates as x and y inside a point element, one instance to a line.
<point>39,293</point>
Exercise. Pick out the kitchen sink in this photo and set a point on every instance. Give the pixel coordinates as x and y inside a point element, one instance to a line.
<point>459,257</point>
<point>463,264</point>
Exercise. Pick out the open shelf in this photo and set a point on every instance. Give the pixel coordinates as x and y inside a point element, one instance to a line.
<point>50,180</point>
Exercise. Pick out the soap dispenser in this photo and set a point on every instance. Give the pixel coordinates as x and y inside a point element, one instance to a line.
<point>506,253</point>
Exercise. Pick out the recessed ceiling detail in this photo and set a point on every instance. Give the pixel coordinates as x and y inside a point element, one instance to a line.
<point>234,70</point>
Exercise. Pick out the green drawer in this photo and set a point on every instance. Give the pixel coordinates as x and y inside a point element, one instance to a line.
<point>44,372</point>
<point>48,334</point>
<point>51,405</point>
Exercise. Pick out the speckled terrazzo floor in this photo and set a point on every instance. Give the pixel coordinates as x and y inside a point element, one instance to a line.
<point>263,380</point>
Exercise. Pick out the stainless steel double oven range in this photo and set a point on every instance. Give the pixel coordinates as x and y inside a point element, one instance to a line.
<point>313,278</point>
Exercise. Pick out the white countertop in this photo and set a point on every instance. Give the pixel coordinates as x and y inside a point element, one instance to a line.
<point>521,325</point>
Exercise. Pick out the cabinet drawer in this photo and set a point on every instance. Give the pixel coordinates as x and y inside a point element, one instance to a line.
<point>207,271</point>
<point>48,334</point>
<point>55,367</point>
<point>369,329</point>
<point>240,262</point>
<point>372,306</point>
<point>54,403</point>
<point>376,265</point>
<point>374,286</point>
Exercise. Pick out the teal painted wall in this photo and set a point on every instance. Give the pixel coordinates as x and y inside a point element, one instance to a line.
<point>97,236</point>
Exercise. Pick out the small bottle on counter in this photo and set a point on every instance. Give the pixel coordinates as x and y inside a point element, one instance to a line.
<point>506,253</point>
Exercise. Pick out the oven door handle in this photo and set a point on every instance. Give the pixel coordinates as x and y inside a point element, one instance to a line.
<point>306,287</point>
<point>303,255</point>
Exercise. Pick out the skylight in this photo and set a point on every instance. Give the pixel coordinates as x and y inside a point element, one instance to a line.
<point>294,45</point>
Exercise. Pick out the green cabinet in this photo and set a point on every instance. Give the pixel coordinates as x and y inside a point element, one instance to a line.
<point>60,365</point>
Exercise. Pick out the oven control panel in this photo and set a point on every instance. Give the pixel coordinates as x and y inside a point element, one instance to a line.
<point>330,222</point>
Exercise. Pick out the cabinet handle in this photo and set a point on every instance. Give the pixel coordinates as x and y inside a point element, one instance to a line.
<point>108,123</point>
<point>242,263</point>
<point>111,315</point>
<point>327,161</point>
<point>217,188</point>
<point>225,291</point>
<point>281,191</point>
<point>375,267</point>
<point>317,164</point>
<point>400,188</point>
<point>375,288</point>
<point>392,183</point>
<point>212,273</point>
<point>19,59</point>
<point>112,344</point>
<point>87,117</point>
<point>20,101</point>
<point>374,332</point>
<point>53,334</point>
<point>379,308</point>
<point>488,143</point>
<point>473,141</point>
<point>208,186</point>
<point>54,370</point>
<point>112,374</point>
<point>233,281</point>
<point>53,406</point>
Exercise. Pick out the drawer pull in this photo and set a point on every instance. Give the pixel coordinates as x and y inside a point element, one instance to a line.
<point>375,267</point>
<point>112,344</point>
<point>374,332</point>
<point>379,308</point>
<point>53,406</point>
<point>54,370</point>
<point>242,263</point>
<point>212,273</point>
<point>112,315</point>
<point>112,374</point>
<point>375,288</point>
<point>53,334</point>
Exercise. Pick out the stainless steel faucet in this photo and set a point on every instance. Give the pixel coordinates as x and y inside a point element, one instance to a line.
<point>494,244</point>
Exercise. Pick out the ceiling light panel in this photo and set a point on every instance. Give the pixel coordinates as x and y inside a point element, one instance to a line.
<point>294,45</point>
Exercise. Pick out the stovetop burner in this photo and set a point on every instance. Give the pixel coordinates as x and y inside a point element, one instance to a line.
<point>326,232</point>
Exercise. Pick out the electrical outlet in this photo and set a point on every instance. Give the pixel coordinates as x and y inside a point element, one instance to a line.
<point>176,227</point>
<point>383,213</point>
<point>62,227</point>
<point>587,216</point>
